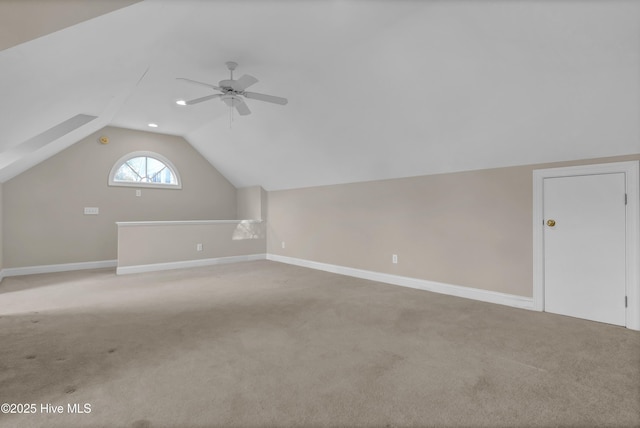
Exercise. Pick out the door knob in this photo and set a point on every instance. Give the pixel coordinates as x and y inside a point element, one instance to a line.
<point>551,223</point>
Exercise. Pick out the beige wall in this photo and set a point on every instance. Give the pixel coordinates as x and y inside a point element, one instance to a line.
<point>43,207</point>
<point>152,244</point>
<point>1,232</point>
<point>252,203</point>
<point>21,21</point>
<point>471,229</point>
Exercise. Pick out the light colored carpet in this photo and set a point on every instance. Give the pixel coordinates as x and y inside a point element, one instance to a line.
<point>266,344</point>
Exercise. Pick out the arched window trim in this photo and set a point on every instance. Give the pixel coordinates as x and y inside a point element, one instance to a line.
<point>164,160</point>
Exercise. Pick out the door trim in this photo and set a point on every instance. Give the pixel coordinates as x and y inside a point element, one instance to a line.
<point>632,176</point>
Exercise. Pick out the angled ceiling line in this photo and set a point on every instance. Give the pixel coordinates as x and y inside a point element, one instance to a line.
<point>42,139</point>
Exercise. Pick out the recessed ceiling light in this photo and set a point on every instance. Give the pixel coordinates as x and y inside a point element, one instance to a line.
<point>181,102</point>
<point>153,125</point>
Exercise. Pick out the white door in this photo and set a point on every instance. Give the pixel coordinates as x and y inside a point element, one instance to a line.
<point>584,246</point>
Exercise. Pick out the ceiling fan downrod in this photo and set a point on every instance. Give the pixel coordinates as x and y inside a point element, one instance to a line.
<point>231,65</point>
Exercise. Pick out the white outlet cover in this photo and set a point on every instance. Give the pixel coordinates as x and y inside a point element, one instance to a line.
<point>91,210</point>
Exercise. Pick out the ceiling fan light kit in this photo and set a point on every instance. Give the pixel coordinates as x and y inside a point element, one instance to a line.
<point>232,92</point>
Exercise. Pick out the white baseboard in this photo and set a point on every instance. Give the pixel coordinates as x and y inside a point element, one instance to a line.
<point>123,270</point>
<point>63,267</point>
<point>421,284</point>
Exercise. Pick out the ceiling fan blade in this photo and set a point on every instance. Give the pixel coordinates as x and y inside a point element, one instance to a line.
<point>244,82</point>
<point>199,100</point>
<point>241,107</point>
<point>217,88</point>
<point>267,98</point>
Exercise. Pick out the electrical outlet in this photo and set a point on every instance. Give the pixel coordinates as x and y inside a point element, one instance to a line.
<point>394,259</point>
<point>282,244</point>
<point>198,247</point>
<point>138,192</point>
<point>91,211</point>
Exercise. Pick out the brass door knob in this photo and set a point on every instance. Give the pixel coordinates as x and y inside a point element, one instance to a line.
<point>551,223</point>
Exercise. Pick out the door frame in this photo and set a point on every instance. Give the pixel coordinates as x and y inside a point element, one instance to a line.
<point>631,169</point>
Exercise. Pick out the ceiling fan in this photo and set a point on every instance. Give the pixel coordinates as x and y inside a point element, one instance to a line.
<point>233,92</point>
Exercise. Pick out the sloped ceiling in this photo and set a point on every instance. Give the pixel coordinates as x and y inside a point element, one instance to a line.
<point>376,89</point>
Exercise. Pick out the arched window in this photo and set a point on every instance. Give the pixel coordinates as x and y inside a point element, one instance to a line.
<point>144,169</point>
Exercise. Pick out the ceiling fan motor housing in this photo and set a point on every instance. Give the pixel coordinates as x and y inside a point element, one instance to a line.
<point>226,84</point>
<point>231,100</point>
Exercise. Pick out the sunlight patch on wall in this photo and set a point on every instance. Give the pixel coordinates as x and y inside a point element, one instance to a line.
<point>248,229</point>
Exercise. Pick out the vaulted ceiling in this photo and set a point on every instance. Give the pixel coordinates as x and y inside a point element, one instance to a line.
<point>376,89</point>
